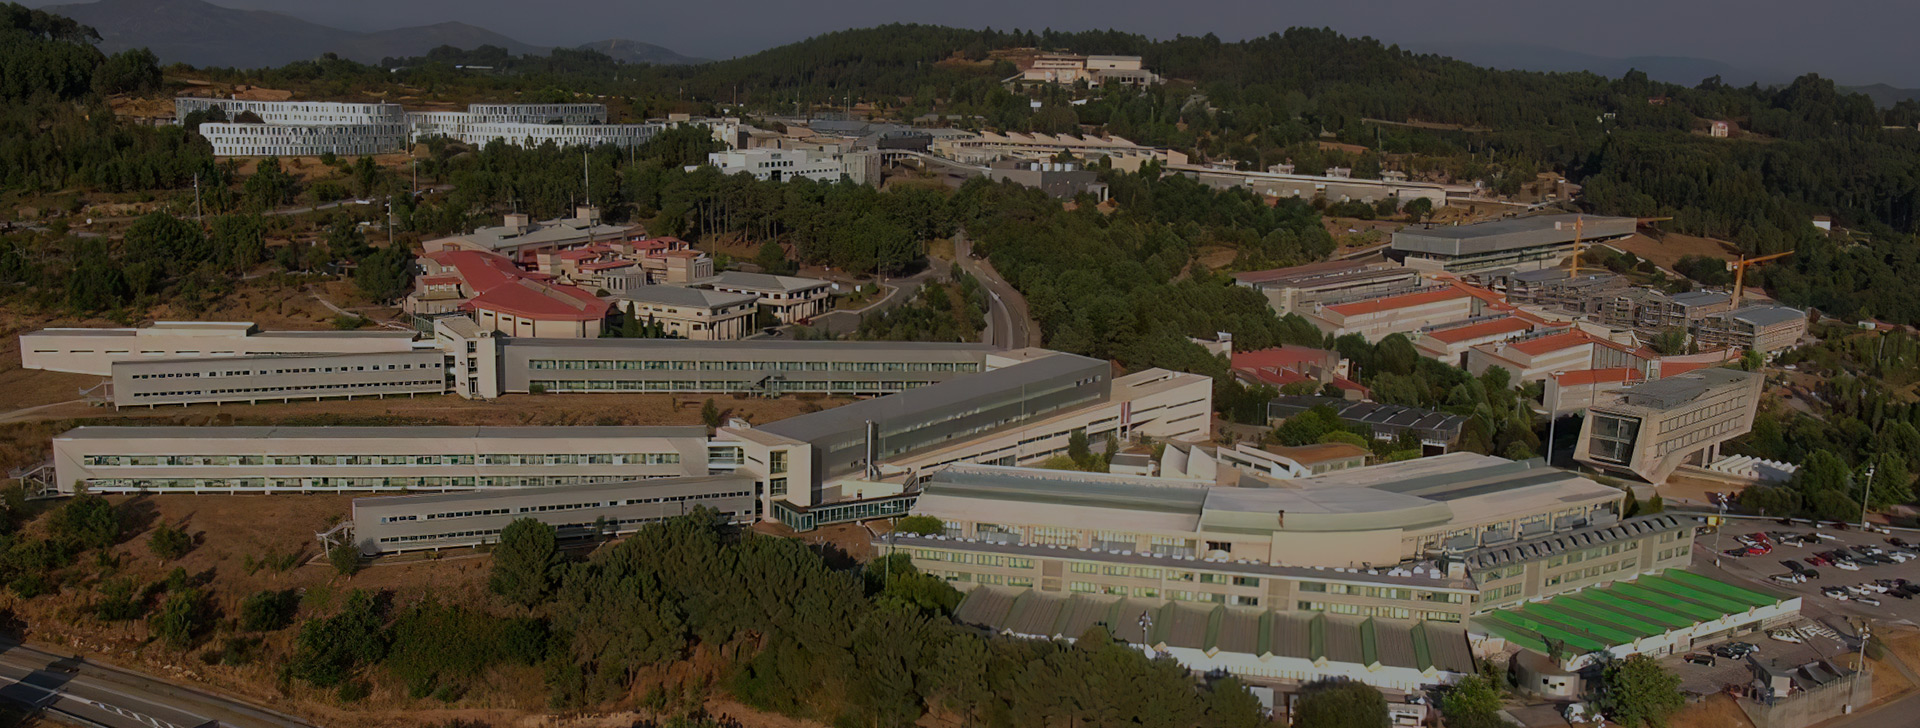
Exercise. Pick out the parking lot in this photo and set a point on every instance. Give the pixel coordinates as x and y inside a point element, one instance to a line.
<point>1755,570</point>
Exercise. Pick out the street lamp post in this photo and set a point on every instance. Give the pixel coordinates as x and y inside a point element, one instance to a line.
<point>1553,417</point>
<point>1864,495</point>
<point>1719,526</point>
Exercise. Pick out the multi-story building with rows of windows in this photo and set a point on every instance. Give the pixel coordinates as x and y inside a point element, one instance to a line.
<point>316,459</point>
<point>1382,541</point>
<point>1650,430</point>
<point>308,128</point>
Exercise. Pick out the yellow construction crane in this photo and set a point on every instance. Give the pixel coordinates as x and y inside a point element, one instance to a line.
<point>1579,225</point>
<point>1740,272</point>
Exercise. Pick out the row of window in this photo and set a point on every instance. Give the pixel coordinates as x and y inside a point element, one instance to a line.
<point>641,458</point>
<point>567,507</point>
<point>1384,592</point>
<point>300,370</point>
<point>738,366</point>
<point>1702,414</point>
<point>716,385</point>
<point>418,483</point>
<point>1593,553</point>
<point>1593,571</point>
<point>1371,610</point>
<point>433,384</point>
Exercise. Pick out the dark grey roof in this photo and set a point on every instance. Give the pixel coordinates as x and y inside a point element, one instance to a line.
<point>1767,315</point>
<point>1577,539</point>
<point>1067,488</point>
<point>1392,417</point>
<point>930,398</point>
<point>762,281</point>
<point>1509,234</point>
<point>672,295</point>
<point>1700,298</point>
<point>769,345</point>
<point>1679,389</point>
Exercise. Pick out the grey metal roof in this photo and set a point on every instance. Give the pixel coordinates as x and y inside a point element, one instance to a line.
<point>1065,488</point>
<point>1700,298</point>
<point>1583,538</point>
<point>1662,394</point>
<point>768,345</point>
<point>1391,416</point>
<point>671,295</point>
<point>1767,315</point>
<point>1235,630</point>
<point>119,432</point>
<point>1432,578</point>
<point>762,281</point>
<point>1509,234</point>
<point>921,400</point>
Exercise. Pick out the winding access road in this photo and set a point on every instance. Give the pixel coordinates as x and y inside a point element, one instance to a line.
<point>71,690</point>
<point>1009,326</point>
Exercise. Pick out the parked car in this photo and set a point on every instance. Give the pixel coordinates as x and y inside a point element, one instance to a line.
<point>1790,578</point>
<point>1835,592</point>
<point>1845,565</point>
<point>1869,601</point>
<point>1818,560</point>
<point>1785,635</point>
<point>1898,541</point>
<point>1810,573</point>
<point>1825,536</point>
<point>1701,658</point>
<point>1791,565</point>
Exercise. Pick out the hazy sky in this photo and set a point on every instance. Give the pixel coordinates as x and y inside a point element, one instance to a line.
<point>1854,41</point>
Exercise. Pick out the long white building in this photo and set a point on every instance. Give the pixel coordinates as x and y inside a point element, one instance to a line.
<point>309,128</point>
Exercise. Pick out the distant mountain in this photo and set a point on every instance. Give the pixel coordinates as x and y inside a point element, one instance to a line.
<point>416,41</point>
<point>633,51</point>
<point>204,34</point>
<point>1884,95</point>
<point>1528,57</point>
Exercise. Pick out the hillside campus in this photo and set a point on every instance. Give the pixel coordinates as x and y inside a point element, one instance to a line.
<point>1283,566</point>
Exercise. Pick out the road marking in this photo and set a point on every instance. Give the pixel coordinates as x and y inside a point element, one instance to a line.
<point>124,713</point>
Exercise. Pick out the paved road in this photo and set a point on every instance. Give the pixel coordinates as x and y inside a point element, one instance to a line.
<point>1009,326</point>
<point>73,690</point>
<point>899,291</point>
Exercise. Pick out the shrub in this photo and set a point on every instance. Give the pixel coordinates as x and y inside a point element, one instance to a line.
<point>169,543</point>
<point>182,617</point>
<point>269,610</point>
<point>345,560</point>
<point>119,601</point>
<point>87,522</point>
<point>922,525</point>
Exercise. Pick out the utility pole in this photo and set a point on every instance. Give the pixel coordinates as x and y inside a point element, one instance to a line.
<point>199,214</point>
<point>1553,416</point>
<point>1864,495</point>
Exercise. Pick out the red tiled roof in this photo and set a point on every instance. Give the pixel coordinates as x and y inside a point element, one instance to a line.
<point>1284,357</point>
<point>1553,342</point>
<point>1390,303</point>
<point>1598,376</point>
<point>439,280</point>
<point>1275,377</point>
<point>682,254</point>
<point>530,299</point>
<point>1670,368</point>
<point>500,286</point>
<point>1505,325</point>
